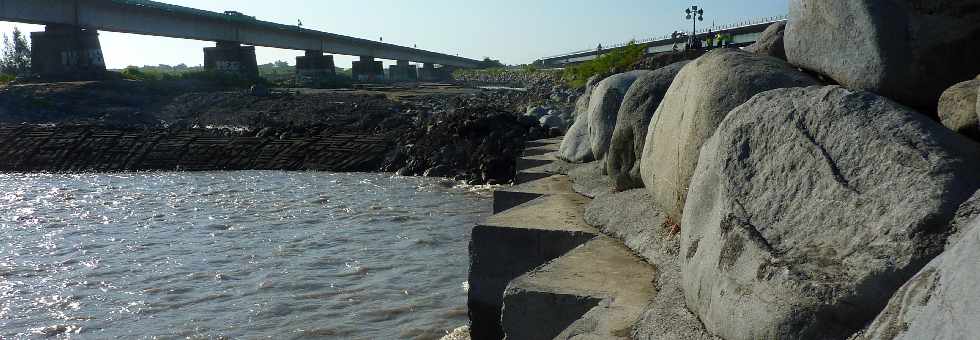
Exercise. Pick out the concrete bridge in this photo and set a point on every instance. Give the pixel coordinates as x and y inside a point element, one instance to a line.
<point>743,33</point>
<point>69,46</point>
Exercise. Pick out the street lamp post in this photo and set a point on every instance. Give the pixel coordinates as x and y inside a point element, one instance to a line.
<point>694,14</point>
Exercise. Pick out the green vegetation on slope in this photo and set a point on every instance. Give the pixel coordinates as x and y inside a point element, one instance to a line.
<point>279,73</point>
<point>213,77</point>
<point>614,61</point>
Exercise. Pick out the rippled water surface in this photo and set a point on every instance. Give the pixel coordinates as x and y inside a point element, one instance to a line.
<point>233,255</point>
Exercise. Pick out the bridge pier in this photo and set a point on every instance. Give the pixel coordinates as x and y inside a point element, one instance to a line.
<point>445,73</point>
<point>428,72</point>
<point>231,57</point>
<point>403,71</point>
<point>314,68</point>
<point>65,52</point>
<point>367,69</point>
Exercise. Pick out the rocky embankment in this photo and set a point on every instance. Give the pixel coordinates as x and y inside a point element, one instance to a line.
<point>806,187</point>
<point>466,134</point>
<point>550,100</point>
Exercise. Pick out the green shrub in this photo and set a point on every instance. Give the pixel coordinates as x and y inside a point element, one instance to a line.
<point>6,78</point>
<point>617,60</point>
<point>136,73</point>
<point>224,79</point>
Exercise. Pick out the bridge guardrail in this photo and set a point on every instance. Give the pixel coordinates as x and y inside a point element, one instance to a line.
<point>715,28</point>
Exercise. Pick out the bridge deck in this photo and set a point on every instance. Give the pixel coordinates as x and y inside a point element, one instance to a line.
<point>160,19</point>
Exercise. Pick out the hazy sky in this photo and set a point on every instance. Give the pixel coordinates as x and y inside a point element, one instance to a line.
<point>514,31</point>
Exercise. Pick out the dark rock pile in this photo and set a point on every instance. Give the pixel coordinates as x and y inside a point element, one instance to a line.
<point>477,144</point>
<point>475,136</point>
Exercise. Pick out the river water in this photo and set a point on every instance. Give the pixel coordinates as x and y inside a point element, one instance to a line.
<point>233,255</point>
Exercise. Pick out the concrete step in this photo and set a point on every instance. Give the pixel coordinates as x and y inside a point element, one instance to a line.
<point>540,160</point>
<point>540,150</point>
<point>509,197</point>
<point>510,244</point>
<point>528,162</point>
<point>554,167</point>
<point>547,142</point>
<point>596,291</point>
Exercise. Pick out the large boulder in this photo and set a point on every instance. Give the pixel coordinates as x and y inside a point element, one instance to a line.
<point>771,42</point>
<point>604,109</point>
<point>701,96</point>
<point>629,136</point>
<point>907,50</point>
<point>811,206</point>
<point>576,146</point>
<point>552,121</point>
<point>958,108</point>
<point>942,301</point>
<point>582,104</point>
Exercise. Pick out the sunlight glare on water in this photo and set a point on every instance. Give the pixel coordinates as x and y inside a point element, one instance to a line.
<point>233,254</point>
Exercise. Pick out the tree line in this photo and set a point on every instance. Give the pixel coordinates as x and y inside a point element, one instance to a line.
<point>15,56</point>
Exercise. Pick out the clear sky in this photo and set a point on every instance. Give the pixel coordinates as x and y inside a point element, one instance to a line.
<point>514,31</point>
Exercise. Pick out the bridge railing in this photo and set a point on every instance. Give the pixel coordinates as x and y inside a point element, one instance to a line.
<point>714,28</point>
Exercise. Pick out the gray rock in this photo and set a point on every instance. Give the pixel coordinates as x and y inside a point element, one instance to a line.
<point>629,216</point>
<point>629,136</point>
<point>604,107</point>
<point>567,117</point>
<point>958,108</point>
<point>907,50</point>
<point>967,213</point>
<point>552,121</point>
<point>588,180</point>
<point>582,104</point>
<point>771,42</point>
<point>536,111</point>
<point>942,301</point>
<point>576,147</point>
<point>811,206</point>
<point>701,96</point>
